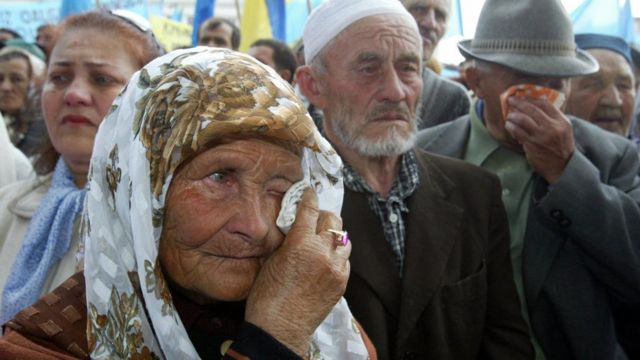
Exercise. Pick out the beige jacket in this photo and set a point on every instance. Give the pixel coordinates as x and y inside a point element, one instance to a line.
<point>18,203</point>
<point>14,165</point>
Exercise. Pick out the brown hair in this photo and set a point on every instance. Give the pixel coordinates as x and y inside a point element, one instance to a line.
<point>141,45</point>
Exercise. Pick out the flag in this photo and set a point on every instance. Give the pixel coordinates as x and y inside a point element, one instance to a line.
<point>609,17</point>
<point>455,25</point>
<point>176,15</point>
<point>70,7</point>
<point>255,23</point>
<point>277,19</point>
<point>297,14</point>
<point>203,11</point>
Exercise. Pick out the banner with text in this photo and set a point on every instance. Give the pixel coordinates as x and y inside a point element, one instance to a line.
<point>171,34</point>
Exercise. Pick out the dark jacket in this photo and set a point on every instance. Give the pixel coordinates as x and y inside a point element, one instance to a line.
<point>456,298</point>
<point>582,242</point>
<point>443,100</point>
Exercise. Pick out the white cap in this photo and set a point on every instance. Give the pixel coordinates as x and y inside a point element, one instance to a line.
<point>332,16</point>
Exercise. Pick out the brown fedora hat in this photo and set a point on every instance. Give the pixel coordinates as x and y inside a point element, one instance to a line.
<point>530,36</point>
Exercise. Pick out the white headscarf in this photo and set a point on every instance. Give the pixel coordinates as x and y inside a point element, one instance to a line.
<point>332,16</point>
<point>169,110</point>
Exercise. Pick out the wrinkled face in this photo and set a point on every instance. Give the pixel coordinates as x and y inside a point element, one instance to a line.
<point>218,37</point>
<point>489,81</point>
<point>372,86</point>
<point>607,97</point>
<point>14,85</point>
<point>88,68</point>
<point>432,17</point>
<point>220,214</point>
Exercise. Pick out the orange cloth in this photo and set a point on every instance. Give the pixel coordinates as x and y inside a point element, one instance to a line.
<point>532,91</point>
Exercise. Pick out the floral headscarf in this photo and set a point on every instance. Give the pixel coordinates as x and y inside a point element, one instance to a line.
<point>169,111</point>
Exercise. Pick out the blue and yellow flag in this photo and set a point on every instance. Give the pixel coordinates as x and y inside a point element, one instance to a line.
<point>278,19</point>
<point>609,17</point>
<point>204,9</point>
<point>255,23</point>
<point>70,7</point>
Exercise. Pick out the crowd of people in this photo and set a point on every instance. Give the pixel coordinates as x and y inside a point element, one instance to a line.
<point>339,199</point>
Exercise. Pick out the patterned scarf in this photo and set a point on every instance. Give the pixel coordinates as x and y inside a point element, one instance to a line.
<point>47,240</point>
<point>175,106</point>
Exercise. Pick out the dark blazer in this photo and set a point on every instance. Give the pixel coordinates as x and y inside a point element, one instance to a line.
<point>582,243</point>
<point>456,298</point>
<point>443,100</point>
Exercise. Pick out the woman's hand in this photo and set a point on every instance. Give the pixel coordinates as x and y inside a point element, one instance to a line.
<point>301,282</point>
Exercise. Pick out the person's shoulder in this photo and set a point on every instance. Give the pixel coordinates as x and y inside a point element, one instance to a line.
<point>428,135</point>
<point>456,170</point>
<point>596,142</point>
<point>31,182</point>
<point>459,122</point>
<point>453,86</point>
<point>26,193</point>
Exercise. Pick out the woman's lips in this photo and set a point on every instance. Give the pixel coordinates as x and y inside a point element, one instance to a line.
<point>76,120</point>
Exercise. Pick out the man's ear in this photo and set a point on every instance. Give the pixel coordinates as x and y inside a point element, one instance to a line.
<point>310,86</point>
<point>474,81</point>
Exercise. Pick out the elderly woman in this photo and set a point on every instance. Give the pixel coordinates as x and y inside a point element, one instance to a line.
<point>20,77</point>
<point>206,160</point>
<point>95,56</point>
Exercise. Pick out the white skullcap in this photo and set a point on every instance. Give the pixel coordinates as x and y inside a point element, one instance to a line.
<point>332,16</point>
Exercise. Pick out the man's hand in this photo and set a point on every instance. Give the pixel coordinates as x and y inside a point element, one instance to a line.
<point>545,133</point>
<point>301,282</point>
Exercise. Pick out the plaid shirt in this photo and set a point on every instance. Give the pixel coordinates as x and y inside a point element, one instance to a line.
<point>392,210</point>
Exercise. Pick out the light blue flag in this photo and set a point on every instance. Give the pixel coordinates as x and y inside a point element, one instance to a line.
<point>609,17</point>
<point>297,14</point>
<point>204,9</point>
<point>277,19</point>
<point>455,26</point>
<point>176,15</point>
<point>70,7</point>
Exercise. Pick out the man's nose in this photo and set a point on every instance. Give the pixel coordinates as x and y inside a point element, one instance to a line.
<point>392,87</point>
<point>611,96</point>
<point>5,84</point>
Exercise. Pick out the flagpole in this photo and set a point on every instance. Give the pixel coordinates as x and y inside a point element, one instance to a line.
<point>309,6</point>
<point>238,11</point>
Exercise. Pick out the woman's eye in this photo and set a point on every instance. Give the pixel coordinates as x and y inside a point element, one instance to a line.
<point>103,80</point>
<point>219,176</point>
<point>58,79</point>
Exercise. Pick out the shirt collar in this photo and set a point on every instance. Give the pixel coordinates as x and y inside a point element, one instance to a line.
<point>405,184</point>
<point>480,140</point>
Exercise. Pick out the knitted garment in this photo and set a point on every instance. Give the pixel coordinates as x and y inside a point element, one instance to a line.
<point>47,240</point>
